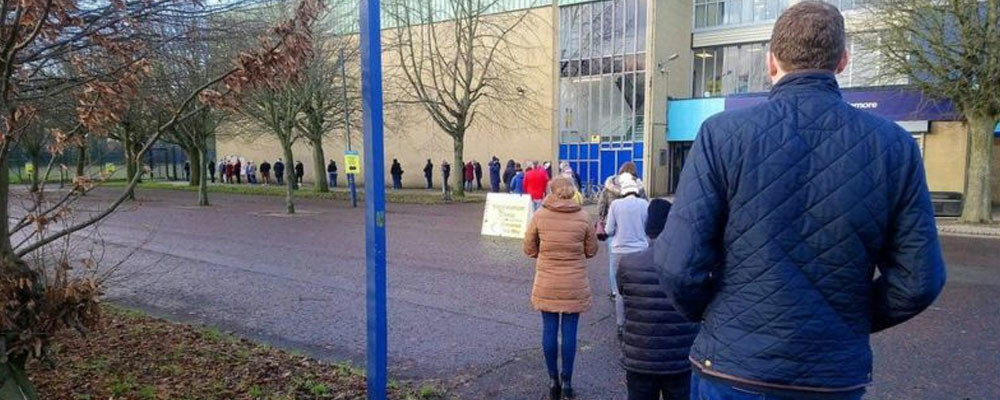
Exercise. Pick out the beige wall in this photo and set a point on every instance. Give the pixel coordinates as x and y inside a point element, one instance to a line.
<point>670,33</point>
<point>944,157</point>
<point>412,137</point>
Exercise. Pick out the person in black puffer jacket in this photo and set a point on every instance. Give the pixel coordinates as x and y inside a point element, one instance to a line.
<point>657,338</point>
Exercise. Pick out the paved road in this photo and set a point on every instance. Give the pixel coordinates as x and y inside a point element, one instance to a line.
<point>459,309</point>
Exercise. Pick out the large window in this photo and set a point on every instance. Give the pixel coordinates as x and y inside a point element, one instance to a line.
<point>742,68</point>
<point>602,71</point>
<point>711,13</point>
<point>723,70</point>
<point>865,68</point>
<point>844,5</point>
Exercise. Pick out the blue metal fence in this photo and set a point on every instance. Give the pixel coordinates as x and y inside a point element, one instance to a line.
<point>595,162</point>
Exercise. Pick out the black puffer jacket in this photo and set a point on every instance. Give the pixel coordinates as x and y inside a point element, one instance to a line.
<point>657,338</point>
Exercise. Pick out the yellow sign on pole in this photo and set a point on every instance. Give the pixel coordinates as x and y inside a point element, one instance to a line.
<point>352,162</point>
<point>29,168</point>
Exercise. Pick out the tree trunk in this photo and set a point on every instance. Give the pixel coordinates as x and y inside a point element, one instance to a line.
<point>81,161</point>
<point>202,175</point>
<point>319,165</point>
<point>977,208</point>
<point>36,161</point>
<point>197,164</point>
<point>458,169</point>
<point>7,257</point>
<point>290,179</point>
<point>130,162</point>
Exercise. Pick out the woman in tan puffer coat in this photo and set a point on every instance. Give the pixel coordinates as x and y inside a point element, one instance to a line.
<point>561,236</point>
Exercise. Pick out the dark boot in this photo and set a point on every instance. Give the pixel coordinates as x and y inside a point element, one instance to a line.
<point>555,389</point>
<point>567,389</point>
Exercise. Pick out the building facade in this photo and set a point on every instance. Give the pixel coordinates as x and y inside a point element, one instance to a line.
<point>632,80</point>
<point>729,45</point>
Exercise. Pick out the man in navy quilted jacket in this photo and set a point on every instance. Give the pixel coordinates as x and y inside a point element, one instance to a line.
<point>784,213</point>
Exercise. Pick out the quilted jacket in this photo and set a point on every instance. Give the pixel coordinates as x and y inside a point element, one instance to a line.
<point>783,215</point>
<point>561,236</point>
<point>657,338</point>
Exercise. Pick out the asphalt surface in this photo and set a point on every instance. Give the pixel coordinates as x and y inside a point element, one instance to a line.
<point>459,307</point>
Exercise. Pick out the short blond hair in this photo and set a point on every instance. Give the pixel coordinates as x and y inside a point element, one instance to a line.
<point>562,188</point>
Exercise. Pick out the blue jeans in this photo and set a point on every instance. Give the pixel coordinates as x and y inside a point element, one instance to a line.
<point>550,343</point>
<point>616,259</point>
<point>333,179</point>
<point>397,182</point>
<point>703,388</point>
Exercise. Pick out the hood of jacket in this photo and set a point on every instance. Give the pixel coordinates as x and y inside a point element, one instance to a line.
<point>561,205</point>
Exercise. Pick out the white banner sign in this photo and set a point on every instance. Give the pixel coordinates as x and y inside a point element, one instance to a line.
<point>506,215</point>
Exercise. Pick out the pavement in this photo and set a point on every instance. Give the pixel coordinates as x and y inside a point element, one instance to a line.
<point>459,307</point>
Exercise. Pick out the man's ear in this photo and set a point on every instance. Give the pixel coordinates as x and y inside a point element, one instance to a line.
<point>772,66</point>
<point>844,61</point>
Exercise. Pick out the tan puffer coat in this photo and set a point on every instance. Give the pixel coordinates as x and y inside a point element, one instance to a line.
<point>561,236</point>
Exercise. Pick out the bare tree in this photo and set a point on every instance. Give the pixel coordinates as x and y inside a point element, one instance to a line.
<point>105,42</point>
<point>278,110</point>
<point>193,135</point>
<point>137,124</point>
<point>950,50</point>
<point>329,97</point>
<point>458,60</point>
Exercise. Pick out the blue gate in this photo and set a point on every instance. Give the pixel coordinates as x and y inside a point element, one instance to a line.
<point>595,162</point>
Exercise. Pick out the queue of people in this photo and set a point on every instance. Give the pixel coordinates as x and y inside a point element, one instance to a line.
<point>759,281</point>
<point>237,170</point>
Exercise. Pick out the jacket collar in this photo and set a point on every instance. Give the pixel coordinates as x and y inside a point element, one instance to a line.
<point>811,81</point>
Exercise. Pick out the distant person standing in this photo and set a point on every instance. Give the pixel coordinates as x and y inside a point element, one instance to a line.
<point>517,181</point>
<point>445,174</point>
<point>561,237</point>
<point>479,174</point>
<point>508,174</point>
<point>536,180</point>
<point>187,170</point>
<point>229,171</point>
<point>612,191</point>
<point>429,174</point>
<point>626,226</point>
<point>211,169</point>
<point>470,175</point>
<point>238,170</point>
<point>279,171</point>
<point>569,172</point>
<point>495,175</point>
<point>265,172</point>
<point>657,338</point>
<point>251,173</point>
<point>300,172</point>
<point>397,174</point>
<point>331,171</point>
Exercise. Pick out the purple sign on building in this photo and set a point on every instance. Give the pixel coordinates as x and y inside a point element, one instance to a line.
<point>889,103</point>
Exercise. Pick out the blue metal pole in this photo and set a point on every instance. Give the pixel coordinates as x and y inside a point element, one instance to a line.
<point>371,88</point>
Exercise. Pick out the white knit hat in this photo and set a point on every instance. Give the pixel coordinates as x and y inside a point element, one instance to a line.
<point>628,184</point>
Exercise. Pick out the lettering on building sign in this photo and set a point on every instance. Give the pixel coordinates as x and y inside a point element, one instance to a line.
<point>869,105</point>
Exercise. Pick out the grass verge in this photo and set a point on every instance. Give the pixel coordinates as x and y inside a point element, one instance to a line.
<point>306,192</point>
<point>136,357</point>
